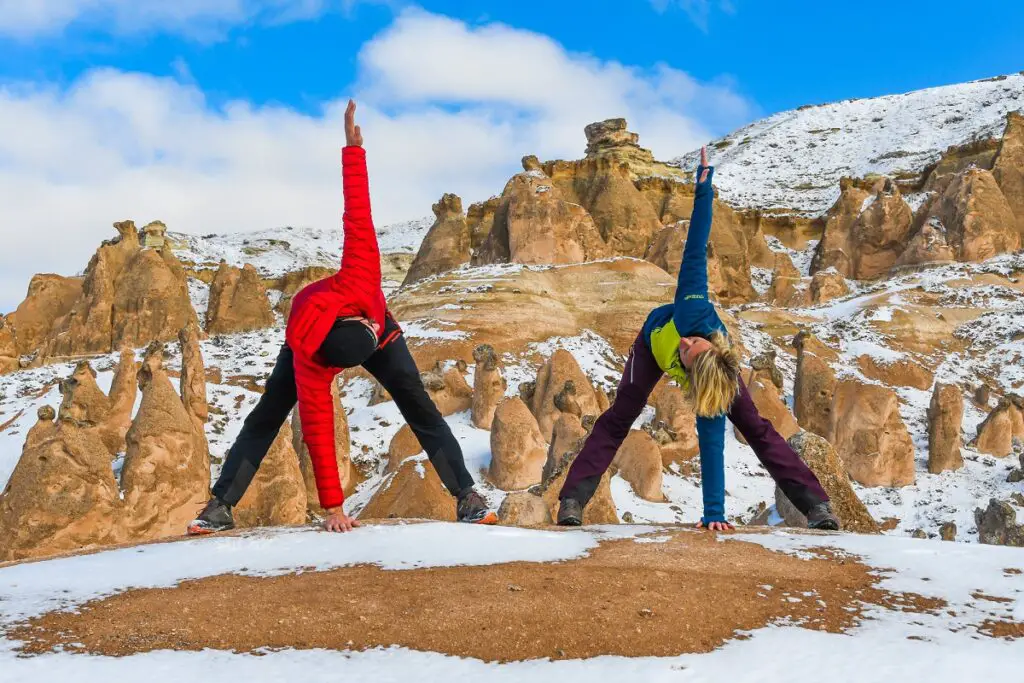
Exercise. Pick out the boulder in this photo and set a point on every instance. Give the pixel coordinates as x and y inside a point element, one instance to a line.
<point>997,525</point>
<point>61,496</point>
<point>488,386</point>
<point>674,413</point>
<point>823,460</point>
<point>568,430</point>
<point>638,461</point>
<point>974,215</point>
<point>193,374</point>
<point>403,445</point>
<point>827,285</point>
<point>866,230</point>
<point>448,389</point>
<point>814,386</point>
<point>870,435</point>
<point>947,531</point>
<point>996,433</point>
<point>413,491</point>
<point>945,417</point>
<point>518,451</point>
<point>1008,170</point>
<point>277,494</point>
<point>447,244</point>
<point>522,508</point>
<point>238,301</point>
<point>928,245</point>
<point>166,475</point>
<point>49,298</point>
<point>342,453</point>
<point>561,387</point>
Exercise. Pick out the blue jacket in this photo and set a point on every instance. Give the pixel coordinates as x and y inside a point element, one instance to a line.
<point>693,315</point>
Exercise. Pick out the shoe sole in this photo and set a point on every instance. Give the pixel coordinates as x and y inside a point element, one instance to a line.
<point>826,526</point>
<point>570,521</point>
<point>196,530</point>
<point>489,519</point>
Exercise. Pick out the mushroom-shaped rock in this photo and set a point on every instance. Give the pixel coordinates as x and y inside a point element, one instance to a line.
<point>561,377</point>
<point>639,462</point>
<point>945,418</point>
<point>61,496</point>
<point>822,459</point>
<point>413,491</point>
<point>488,386</point>
<point>447,244</point>
<point>277,494</point>
<point>518,450</point>
<point>166,473</point>
<point>448,389</point>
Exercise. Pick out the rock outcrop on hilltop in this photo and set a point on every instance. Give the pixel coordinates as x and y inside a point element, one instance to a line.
<point>448,243</point>
<point>945,417</point>
<point>62,495</point>
<point>130,295</point>
<point>277,494</point>
<point>166,475</point>
<point>518,451</point>
<point>238,301</point>
<point>488,386</point>
<point>561,387</point>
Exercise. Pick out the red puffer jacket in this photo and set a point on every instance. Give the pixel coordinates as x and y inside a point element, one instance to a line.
<point>352,291</point>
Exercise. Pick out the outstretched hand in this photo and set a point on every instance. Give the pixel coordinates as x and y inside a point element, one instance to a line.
<point>703,163</point>
<point>716,526</point>
<point>353,135</point>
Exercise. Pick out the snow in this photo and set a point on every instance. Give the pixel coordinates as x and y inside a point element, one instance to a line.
<point>793,161</point>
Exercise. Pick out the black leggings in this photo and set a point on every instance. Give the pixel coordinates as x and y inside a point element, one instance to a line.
<point>392,366</point>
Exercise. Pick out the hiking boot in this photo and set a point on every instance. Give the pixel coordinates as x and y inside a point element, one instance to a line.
<point>216,516</point>
<point>821,517</point>
<point>473,509</point>
<point>570,512</point>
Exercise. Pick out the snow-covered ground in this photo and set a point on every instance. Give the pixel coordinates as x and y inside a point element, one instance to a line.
<point>977,583</point>
<point>793,160</point>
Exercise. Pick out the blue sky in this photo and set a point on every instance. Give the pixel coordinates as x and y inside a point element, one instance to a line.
<point>223,115</point>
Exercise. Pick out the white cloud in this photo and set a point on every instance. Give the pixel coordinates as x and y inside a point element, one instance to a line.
<point>699,11</point>
<point>445,107</point>
<point>197,18</point>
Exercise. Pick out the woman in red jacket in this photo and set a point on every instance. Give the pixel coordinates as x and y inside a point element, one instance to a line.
<point>340,322</point>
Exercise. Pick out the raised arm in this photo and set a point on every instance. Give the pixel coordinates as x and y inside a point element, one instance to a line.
<point>360,257</point>
<point>693,273</point>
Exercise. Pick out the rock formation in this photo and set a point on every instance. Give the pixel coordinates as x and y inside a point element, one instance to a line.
<point>50,297</point>
<point>522,508</point>
<point>448,389</point>
<point>870,435</point>
<point>488,386</point>
<point>123,390</point>
<point>193,374</point>
<point>342,453</point>
<point>600,509</point>
<point>9,358</point>
<point>238,301</point>
<point>414,491</point>
<point>997,432</point>
<point>674,413</point>
<point>827,285</point>
<point>997,525</point>
<point>769,403</point>
<point>866,230</point>
<point>1009,167</point>
<point>787,285</point>
<point>404,444</point>
<point>62,495</point>
<point>904,371</point>
<point>518,451</point>
<point>277,494</point>
<point>638,461</point>
<point>609,139</point>
<point>561,387</point>
<point>945,417</point>
<point>448,243</point>
<point>822,459</point>
<point>814,385</point>
<point>294,282</point>
<point>83,403</point>
<point>166,475</point>
<point>565,438</point>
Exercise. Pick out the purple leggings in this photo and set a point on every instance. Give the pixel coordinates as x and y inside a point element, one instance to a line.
<point>640,376</point>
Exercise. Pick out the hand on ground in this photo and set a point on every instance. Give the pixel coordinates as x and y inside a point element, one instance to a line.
<point>338,521</point>
<point>716,526</point>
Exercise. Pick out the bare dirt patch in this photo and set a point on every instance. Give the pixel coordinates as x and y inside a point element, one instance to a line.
<point>688,594</point>
<point>1011,630</point>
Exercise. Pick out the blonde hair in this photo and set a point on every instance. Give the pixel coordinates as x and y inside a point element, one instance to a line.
<point>714,378</point>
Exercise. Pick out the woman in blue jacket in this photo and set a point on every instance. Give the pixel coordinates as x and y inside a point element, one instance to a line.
<point>687,340</point>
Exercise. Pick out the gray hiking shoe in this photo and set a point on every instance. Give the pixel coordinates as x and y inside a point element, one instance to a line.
<point>473,509</point>
<point>821,517</point>
<point>570,512</point>
<point>216,516</point>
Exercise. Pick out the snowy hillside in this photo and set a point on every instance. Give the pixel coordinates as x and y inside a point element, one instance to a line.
<point>793,160</point>
<point>278,251</point>
<point>890,609</point>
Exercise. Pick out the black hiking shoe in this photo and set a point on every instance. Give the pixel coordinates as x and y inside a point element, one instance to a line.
<point>473,509</point>
<point>216,516</point>
<point>570,512</point>
<point>821,517</point>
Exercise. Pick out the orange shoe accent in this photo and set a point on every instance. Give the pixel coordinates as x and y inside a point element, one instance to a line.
<point>490,518</point>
